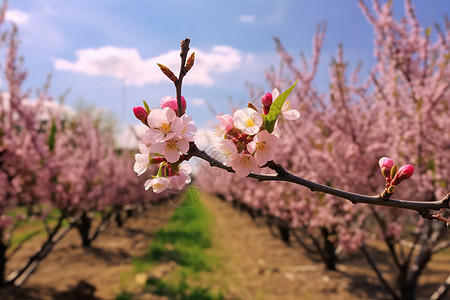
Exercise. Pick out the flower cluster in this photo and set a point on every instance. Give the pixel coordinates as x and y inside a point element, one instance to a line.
<point>248,139</point>
<point>166,140</point>
<point>394,175</point>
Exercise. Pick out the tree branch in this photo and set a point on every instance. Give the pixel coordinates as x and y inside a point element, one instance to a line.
<point>422,207</point>
<point>179,82</point>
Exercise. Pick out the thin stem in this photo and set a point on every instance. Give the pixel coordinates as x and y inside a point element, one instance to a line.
<point>179,82</point>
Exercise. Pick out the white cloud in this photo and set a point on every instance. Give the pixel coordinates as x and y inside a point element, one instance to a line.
<point>247,18</point>
<point>17,16</point>
<point>128,65</point>
<point>198,102</point>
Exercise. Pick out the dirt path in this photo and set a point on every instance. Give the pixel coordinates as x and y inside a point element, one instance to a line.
<point>72,272</point>
<point>258,265</point>
<point>253,263</point>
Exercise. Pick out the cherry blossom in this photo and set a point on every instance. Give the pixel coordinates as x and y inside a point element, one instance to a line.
<point>263,147</point>
<point>159,184</point>
<point>182,178</point>
<point>243,164</point>
<point>172,103</point>
<point>247,120</point>
<point>288,112</point>
<point>226,148</point>
<point>163,125</point>
<point>171,148</point>
<point>189,128</point>
<point>142,159</point>
<point>226,121</point>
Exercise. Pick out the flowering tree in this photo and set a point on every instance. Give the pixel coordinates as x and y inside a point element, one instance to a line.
<point>54,167</point>
<point>345,134</point>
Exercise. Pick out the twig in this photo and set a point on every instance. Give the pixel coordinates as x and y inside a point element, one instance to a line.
<point>179,82</point>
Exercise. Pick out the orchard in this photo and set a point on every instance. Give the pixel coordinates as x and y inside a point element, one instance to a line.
<point>354,180</point>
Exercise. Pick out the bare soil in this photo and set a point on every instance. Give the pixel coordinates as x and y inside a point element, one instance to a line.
<point>254,264</point>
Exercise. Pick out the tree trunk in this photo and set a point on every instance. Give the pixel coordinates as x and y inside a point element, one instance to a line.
<point>330,251</point>
<point>284,232</point>
<point>84,226</point>
<point>2,259</point>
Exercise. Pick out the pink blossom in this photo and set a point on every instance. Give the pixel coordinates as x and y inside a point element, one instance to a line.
<point>189,128</point>
<point>159,184</point>
<point>288,112</point>
<point>182,178</point>
<point>275,93</point>
<point>263,147</point>
<point>163,125</point>
<point>141,114</point>
<point>172,103</point>
<point>226,148</point>
<point>226,121</point>
<point>243,164</point>
<point>142,159</point>
<point>171,148</point>
<point>247,120</point>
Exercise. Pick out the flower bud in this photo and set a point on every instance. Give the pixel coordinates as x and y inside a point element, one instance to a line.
<point>386,164</point>
<point>141,114</point>
<point>267,99</point>
<point>172,103</point>
<point>403,173</point>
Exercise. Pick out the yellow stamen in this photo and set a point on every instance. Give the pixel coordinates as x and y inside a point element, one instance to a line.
<point>165,128</point>
<point>249,122</point>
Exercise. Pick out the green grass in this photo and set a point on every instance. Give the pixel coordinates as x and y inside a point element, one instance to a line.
<point>185,239</point>
<point>27,229</point>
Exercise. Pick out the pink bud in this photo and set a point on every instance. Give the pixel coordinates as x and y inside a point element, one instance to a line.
<point>386,162</point>
<point>226,121</point>
<point>141,114</point>
<point>172,103</point>
<point>386,165</point>
<point>267,99</point>
<point>403,173</point>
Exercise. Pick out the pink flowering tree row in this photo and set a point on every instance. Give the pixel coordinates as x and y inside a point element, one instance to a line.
<point>55,167</point>
<point>344,139</point>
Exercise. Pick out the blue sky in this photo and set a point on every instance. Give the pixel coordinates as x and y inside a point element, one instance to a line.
<point>106,51</point>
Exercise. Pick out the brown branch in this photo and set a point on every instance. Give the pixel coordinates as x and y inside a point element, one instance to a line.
<point>422,207</point>
<point>183,71</point>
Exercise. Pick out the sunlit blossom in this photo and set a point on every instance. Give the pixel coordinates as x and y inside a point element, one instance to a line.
<point>163,125</point>
<point>288,112</point>
<point>226,148</point>
<point>189,129</point>
<point>159,184</point>
<point>263,147</point>
<point>243,164</point>
<point>142,159</point>
<point>182,178</point>
<point>171,148</point>
<point>247,120</point>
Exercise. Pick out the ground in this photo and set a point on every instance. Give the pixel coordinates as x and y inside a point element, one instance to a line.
<point>254,264</point>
